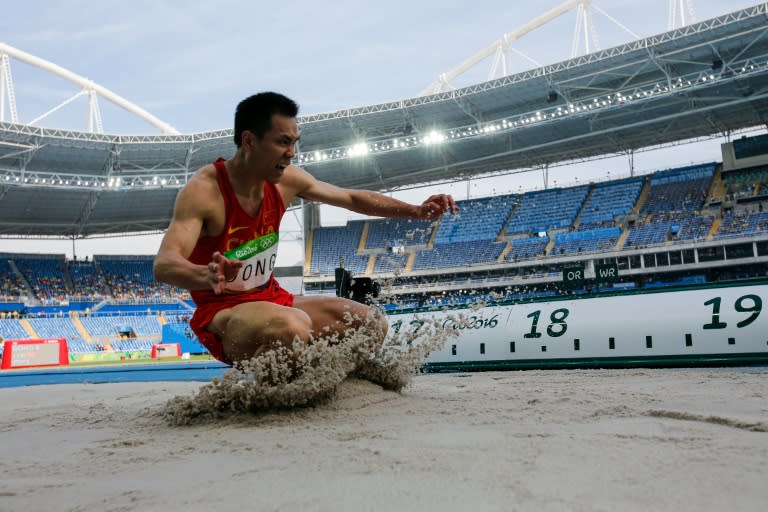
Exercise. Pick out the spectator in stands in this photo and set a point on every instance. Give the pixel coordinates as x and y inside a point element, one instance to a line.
<point>222,241</point>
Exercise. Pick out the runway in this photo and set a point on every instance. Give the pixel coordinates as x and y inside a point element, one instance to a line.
<point>188,371</point>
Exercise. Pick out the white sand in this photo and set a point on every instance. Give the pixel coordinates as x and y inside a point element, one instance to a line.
<point>537,440</point>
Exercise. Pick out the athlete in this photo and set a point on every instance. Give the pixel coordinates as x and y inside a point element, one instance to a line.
<point>222,241</point>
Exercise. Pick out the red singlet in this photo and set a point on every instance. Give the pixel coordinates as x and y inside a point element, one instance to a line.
<point>239,228</point>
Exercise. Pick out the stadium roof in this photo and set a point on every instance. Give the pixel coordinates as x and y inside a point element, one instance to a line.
<point>710,78</point>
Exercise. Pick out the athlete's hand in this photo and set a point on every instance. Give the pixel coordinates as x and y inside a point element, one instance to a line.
<point>221,270</point>
<point>437,205</point>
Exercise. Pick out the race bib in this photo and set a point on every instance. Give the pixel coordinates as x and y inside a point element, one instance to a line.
<point>258,257</point>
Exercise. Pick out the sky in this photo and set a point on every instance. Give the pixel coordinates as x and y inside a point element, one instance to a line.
<point>189,63</point>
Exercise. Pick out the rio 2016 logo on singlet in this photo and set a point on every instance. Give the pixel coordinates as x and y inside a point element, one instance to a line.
<point>258,257</point>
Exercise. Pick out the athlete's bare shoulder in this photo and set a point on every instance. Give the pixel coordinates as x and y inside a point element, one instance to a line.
<point>201,200</point>
<point>207,172</point>
<point>202,186</point>
<point>201,194</point>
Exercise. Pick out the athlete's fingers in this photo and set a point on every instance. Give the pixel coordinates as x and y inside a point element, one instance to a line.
<point>444,202</point>
<point>447,203</point>
<point>218,283</point>
<point>452,204</point>
<point>438,204</point>
<point>216,276</point>
<point>225,262</point>
<point>220,259</point>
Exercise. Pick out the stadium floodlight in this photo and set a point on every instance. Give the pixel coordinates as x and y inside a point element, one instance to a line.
<point>434,137</point>
<point>359,149</point>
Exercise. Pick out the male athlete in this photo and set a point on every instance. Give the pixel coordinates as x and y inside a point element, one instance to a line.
<point>222,241</point>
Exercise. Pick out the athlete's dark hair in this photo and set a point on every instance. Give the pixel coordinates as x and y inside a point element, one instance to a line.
<point>255,113</point>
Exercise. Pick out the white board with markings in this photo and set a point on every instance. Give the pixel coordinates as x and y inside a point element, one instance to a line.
<point>715,323</point>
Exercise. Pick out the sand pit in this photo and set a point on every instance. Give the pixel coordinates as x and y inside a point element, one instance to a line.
<point>537,440</point>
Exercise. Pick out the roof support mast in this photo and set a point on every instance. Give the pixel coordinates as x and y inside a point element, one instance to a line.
<point>677,12</point>
<point>500,50</point>
<point>94,113</point>
<point>584,24</point>
<point>6,88</point>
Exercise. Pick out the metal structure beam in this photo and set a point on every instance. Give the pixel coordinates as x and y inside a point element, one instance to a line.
<point>90,87</point>
<point>500,45</point>
<point>649,93</point>
<point>755,12</point>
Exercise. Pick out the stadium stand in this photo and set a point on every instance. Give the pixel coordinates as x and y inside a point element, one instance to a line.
<point>478,219</point>
<point>456,254</point>
<point>132,345</point>
<point>11,328</point>
<point>526,248</point>
<point>740,223</point>
<point>609,201</point>
<point>583,241</point>
<point>82,347</point>
<point>388,233</point>
<point>115,326</point>
<point>55,327</point>
<point>87,280</point>
<point>45,275</point>
<point>389,263</point>
<point>670,211</point>
<point>564,221</point>
<point>546,210</point>
<point>11,286</point>
<point>748,183</point>
<point>332,245</point>
<point>130,277</point>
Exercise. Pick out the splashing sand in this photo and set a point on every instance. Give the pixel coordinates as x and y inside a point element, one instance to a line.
<point>310,375</point>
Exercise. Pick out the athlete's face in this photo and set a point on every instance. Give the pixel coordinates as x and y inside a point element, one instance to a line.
<point>274,152</point>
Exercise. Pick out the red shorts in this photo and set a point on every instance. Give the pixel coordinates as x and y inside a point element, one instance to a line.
<point>206,310</point>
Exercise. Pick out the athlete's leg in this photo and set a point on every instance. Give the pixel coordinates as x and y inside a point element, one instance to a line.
<point>331,314</point>
<point>251,328</point>
<point>338,315</point>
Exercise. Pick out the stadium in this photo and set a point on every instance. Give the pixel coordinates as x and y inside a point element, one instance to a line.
<point>688,225</point>
<point>644,289</point>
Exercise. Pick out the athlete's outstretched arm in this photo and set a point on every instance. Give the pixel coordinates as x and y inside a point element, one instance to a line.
<point>366,202</point>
